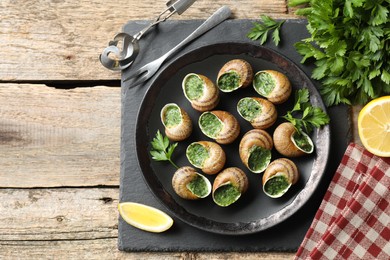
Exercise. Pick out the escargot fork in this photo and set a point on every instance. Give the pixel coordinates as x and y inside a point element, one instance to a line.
<point>148,70</point>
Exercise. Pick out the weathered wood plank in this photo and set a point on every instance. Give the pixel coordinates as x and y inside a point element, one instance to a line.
<point>61,40</point>
<point>73,223</point>
<point>77,249</point>
<point>58,214</point>
<point>56,137</point>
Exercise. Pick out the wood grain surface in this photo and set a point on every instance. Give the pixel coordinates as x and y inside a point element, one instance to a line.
<point>62,39</point>
<point>59,137</point>
<point>59,147</point>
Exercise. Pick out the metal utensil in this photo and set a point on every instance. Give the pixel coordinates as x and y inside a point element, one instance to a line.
<point>122,51</point>
<point>148,70</point>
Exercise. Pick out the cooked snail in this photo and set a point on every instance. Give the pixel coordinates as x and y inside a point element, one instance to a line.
<point>229,185</point>
<point>208,156</point>
<point>260,112</point>
<point>200,91</point>
<point>189,184</point>
<point>279,176</point>
<point>177,123</point>
<point>219,125</point>
<point>273,85</point>
<point>290,143</point>
<point>234,74</point>
<point>255,150</point>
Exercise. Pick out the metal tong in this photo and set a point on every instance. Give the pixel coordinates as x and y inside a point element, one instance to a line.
<point>115,57</point>
<point>148,70</point>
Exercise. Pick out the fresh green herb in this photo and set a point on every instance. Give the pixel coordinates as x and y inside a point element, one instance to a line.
<point>261,30</point>
<point>304,116</point>
<point>162,150</point>
<point>350,43</point>
<point>304,6</point>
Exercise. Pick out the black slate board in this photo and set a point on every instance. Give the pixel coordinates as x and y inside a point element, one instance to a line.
<point>286,236</point>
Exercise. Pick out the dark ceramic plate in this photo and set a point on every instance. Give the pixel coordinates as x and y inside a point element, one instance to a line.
<point>254,211</point>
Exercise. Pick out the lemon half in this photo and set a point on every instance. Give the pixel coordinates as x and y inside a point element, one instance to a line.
<point>145,217</point>
<point>374,126</point>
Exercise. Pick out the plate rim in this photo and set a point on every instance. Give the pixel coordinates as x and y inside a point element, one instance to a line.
<point>200,222</point>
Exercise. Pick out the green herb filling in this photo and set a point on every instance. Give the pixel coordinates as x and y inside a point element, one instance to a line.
<point>264,83</point>
<point>193,87</point>
<point>226,195</point>
<point>172,116</point>
<point>198,186</point>
<point>249,108</point>
<point>259,158</point>
<point>229,81</point>
<point>197,154</point>
<point>210,125</point>
<point>276,185</point>
<point>302,142</point>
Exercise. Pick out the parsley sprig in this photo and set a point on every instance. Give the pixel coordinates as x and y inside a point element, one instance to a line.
<point>162,150</point>
<point>304,116</point>
<point>350,45</point>
<point>261,30</point>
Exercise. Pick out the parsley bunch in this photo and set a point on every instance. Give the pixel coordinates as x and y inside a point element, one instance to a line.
<point>261,30</point>
<point>162,150</point>
<point>304,116</point>
<point>350,43</point>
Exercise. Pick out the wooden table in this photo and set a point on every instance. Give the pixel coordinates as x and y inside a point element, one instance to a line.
<point>60,125</point>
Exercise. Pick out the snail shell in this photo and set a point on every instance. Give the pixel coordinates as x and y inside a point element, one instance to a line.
<point>256,143</point>
<point>200,91</point>
<point>187,183</point>
<point>234,74</point>
<point>219,125</point>
<point>177,123</point>
<point>285,141</point>
<point>231,182</point>
<point>260,112</point>
<point>279,176</point>
<point>212,159</point>
<point>273,85</point>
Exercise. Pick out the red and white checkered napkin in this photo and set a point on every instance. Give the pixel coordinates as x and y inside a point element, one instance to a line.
<point>354,217</point>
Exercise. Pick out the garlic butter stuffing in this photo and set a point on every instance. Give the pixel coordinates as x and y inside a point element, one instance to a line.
<point>219,125</point>
<point>207,156</point>
<point>177,123</point>
<point>234,74</point>
<point>273,85</point>
<point>200,92</point>
<point>207,174</point>
<point>260,112</point>
<point>189,184</point>
<point>255,150</point>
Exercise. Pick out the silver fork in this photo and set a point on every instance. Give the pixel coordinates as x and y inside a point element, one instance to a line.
<point>148,70</point>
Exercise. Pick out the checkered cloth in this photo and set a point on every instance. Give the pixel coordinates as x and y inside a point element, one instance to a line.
<point>354,216</point>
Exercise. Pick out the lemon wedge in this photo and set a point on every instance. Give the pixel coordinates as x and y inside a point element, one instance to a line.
<point>374,126</point>
<point>145,217</point>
